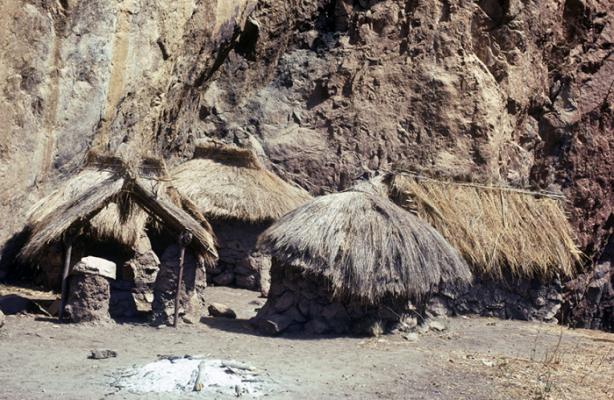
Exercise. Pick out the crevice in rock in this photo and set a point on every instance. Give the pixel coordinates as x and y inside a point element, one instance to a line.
<point>248,39</point>
<point>163,50</point>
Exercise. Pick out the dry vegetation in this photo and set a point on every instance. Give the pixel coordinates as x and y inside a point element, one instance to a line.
<point>496,230</point>
<point>230,182</point>
<point>567,369</point>
<point>114,197</point>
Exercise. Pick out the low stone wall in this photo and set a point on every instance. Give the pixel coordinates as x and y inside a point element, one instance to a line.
<point>506,299</point>
<point>191,300</point>
<point>300,302</point>
<point>303,303</point>
<point>239,264</point>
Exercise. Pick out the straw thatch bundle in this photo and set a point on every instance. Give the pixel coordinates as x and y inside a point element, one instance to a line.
<point>499,231</point>
<point>108,200</point>
<point>229,182</point>
<point>366,246</point>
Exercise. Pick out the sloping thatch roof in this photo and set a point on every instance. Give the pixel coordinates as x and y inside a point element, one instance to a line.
<point>499,231</point>
<point>230,183</point>
<point>366,246</point>
<point>124,225</point>
<point>109,199</point>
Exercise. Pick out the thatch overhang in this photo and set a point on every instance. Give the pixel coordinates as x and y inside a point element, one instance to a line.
<point>365,246</point>
<point>500,231</point>
<point>228,182</point>
<point>110,199</point>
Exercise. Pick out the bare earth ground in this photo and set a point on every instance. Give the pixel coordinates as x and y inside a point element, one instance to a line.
<point>477,358</point>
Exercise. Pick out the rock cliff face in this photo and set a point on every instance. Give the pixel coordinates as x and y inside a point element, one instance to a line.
<point>506,91</point>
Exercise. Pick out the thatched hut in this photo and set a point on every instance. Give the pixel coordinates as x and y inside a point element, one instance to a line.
<point>241,199</point>
<point>352,261</point>
<point>518,243</point>
<point>103,211</point>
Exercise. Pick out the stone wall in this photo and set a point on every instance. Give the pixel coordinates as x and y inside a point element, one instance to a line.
<point>239,263</point>
<point>191,300</point>
<point>522,299</point>
<point>132,291</point>
<point>300,302</point>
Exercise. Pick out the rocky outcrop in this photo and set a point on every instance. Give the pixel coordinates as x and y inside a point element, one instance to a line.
<point>516,92</point>
<point>590,297</point>
<point>97,74</point>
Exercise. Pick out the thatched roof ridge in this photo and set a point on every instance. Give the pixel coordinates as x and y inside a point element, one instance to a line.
<point>366,246</point>
<point>499,231</point>
<point>109,201</point>
<point>227,182</point>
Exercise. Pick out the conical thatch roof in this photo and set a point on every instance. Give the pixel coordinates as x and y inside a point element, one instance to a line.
<point>365,245</point>
<point>499,231</point>
<point>227,182</point>
<point>110,199</point>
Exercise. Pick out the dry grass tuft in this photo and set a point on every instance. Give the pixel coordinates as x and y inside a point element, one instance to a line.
<point>229,182</point>
<point>498,231</point>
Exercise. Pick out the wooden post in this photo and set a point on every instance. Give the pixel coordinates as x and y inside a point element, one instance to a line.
<point>184,240</point>
<point>67,255</point>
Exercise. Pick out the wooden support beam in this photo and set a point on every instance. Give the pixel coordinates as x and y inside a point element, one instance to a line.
<point>184,240</point>
<point>67,256</point>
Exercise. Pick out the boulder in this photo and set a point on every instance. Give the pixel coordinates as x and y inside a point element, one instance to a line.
<point>274,324</point>
<point>286,301</point>
<point>438,307</point>
<point>96,266</point>
<point>264,274</point>
<point>411,336</point>
<point>224,279</point>
<point>2,318</point>
<point>221,310</point>
<point>247,281</point>
<point>102,354</point>
<point>317,326</point>
<point>437,325</point>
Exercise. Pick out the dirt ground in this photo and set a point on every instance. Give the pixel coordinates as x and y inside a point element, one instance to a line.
<point>476,358</point>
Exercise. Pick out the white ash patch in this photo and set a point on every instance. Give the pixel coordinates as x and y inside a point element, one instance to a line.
<point>221,377</point>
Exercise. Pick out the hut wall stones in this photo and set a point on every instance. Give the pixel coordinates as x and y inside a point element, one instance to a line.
<point>303,302</point>
<point>132,291</point>
<point>191,300</point>
<point>239,263</point>
<point>89,298</point>
<point>522,299</point>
